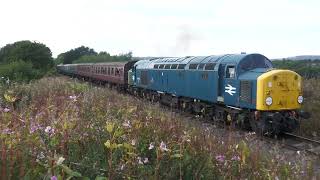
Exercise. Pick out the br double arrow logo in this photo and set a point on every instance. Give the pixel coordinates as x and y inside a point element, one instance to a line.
<point>230,89</point>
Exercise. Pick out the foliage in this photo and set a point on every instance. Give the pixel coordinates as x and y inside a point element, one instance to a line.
<point>62,128</point>
<point>104,57</point>
<point>306,68</point>
<point>74,54</point>
<point>39,55</point>
<point>311,127</point>
<point>19,71</point>
<point>25,60</point>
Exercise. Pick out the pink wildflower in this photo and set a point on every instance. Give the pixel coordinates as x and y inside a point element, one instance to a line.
<point>220,158</point>
<point>54,178</point>
<point>235,158</point>
<point>6,110</point>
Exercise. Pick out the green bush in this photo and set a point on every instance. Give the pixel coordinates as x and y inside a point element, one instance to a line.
<point>19,71</point>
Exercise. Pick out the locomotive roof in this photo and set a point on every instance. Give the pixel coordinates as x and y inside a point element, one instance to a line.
<point>227,58</point>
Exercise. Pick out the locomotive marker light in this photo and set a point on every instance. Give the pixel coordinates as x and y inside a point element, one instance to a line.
<point>269,101</point>
<point>300,99</point>
<point>230,90</point>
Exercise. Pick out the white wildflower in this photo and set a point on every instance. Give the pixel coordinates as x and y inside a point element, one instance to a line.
<point>60,160</point>
<point>133,142</point>
<point>151,146</point>
<point>163,146</point>
<point>126,124</point>
<point>74,98</point>
<point>49,130</point>
<point>139,160</point>
<point>146,160</point>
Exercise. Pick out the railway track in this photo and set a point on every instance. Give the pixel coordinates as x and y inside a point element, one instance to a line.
<point>300,143</point>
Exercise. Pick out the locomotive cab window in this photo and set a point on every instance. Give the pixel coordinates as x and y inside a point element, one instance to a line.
<point>230,72</point>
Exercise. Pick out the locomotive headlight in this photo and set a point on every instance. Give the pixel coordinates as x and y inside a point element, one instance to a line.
<point>300,99</point>
<point>269,101</point>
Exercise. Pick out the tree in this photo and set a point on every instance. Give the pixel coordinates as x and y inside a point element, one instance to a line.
<point>38,54</point>
<point>25,60</point>
<point>74,54</point>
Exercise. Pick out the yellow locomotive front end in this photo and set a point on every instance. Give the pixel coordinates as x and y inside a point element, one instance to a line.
<point>279,90</point>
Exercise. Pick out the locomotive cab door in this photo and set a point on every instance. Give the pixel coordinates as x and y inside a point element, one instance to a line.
<point>228,85</point>
<point>221,82</point>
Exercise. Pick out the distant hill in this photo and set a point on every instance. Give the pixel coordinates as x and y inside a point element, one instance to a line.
<point>301,57</point>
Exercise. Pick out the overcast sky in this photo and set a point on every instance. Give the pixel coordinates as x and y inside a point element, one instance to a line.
<point>275,28</point>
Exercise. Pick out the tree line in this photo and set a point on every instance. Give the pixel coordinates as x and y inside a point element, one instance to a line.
<point>23,61</point>
<point>306,68</point>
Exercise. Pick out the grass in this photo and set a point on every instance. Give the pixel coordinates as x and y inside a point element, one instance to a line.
<point>61,128</point>
<point>311,127</point>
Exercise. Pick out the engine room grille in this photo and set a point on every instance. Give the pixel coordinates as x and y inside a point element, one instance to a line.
<point>245,91</point>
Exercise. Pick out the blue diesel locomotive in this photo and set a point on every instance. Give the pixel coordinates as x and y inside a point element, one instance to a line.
<point>239,89</point>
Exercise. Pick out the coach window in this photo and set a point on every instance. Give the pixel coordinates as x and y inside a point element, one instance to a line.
<point>156,66</point>
<point>112,70</point>
<point>230,72</point>
<point>117,72</point>
<point>161,66</point>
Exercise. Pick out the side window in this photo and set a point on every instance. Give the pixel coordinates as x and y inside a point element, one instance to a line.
<point>181,66</point>
<point>193,66</point>
<point>210,66</point>
<point>174,66</point>
<point>161,66</point>
<point>156,66</point>
<point>200,67</point>
<point>167,66</point>
<point>230,72</point>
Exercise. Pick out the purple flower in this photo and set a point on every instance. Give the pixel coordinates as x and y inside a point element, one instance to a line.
<point>220,158</point>
<point>34,128</point>
<point>6,110</point>
<point>235,158</point>
<point>6,131</point>
<point>49,130</point>
<point>54,178</point>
